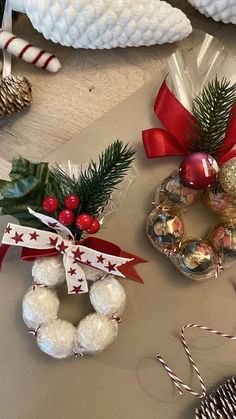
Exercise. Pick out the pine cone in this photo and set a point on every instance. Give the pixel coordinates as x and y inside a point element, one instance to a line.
<point>106,23</point>
<point>217,9</point>
<point>15,94</point>
<point>220,404</point>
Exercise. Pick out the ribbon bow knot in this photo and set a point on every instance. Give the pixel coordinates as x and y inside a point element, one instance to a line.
<point>97,253</point>
<point>179,123</point>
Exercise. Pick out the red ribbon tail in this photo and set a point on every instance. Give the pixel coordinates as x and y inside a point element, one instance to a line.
<point>227,156</point>
<point>160,143</point>
<point>129,268</point>
<point>3,251</point>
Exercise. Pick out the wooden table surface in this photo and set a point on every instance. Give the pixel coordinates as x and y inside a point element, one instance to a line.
<point>90,84</point>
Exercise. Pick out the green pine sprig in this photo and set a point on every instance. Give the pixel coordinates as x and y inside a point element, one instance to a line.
<point>212,111</point>
<point>30,183</point>
<point>96,184</point>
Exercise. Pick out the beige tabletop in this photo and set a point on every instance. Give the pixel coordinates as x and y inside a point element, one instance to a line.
<point>124,382</point>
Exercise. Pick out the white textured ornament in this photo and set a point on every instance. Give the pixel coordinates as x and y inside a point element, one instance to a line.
<point>95,333</point>
<point>105,23</point>
<point>49,271</point>
<point>56,339</point>
<point>91,274</point>
<point>224,10</point>
<point>108,297</point>
<point>39,306</point>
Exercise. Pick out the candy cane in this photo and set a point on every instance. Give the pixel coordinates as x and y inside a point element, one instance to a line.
<point>27,52</point>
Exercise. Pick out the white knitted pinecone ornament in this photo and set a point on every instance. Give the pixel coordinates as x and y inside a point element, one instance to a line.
<point>224,10</point>
<point>105,23</point>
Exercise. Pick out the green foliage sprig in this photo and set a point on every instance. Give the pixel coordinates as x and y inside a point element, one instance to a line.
<point>96,184</point>
<point>212,111</point>
<point>31,182</point>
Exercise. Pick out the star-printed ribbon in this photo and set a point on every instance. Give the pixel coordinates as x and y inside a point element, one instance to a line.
<point>38,243</point>
<point>179,124</point>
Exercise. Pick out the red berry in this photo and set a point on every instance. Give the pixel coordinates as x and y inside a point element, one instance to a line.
<point>72,202</point>
<point>84,221</point>
<point>95,227</point>
<point>50,204</point>
<point>66,217</point>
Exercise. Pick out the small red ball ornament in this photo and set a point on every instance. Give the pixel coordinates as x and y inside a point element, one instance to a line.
<point>72,202</point>
<point>66,217</point>
<point>50,204</point>
<point>198,171</point>
<point>84,221</point>
<point>95,227</point>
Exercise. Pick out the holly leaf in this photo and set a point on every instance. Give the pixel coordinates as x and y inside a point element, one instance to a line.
<point>27,188</point>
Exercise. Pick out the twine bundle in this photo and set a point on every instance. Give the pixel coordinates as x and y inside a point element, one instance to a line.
<point>221,404</point>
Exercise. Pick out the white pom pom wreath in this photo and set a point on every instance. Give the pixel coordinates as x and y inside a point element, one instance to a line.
<point>108,296</point>
<point>95,333</point>
<point>56,339</point>
<point>40,305</point>
<point>49,271</point>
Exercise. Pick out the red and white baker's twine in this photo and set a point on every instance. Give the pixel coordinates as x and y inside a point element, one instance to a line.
<point>176,380</point>
<point>27,52</point>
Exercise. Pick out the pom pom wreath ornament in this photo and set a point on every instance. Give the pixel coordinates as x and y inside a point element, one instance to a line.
<point>227,177</point>
<point>56,339</point>
<point>95,333</point>
<point>198,171</point>
<point>77,259</point>
<point>49,272</point>
<point>40,305</point>
<point>59,338</point>
<point>108,297</point>
<point>107,23</point>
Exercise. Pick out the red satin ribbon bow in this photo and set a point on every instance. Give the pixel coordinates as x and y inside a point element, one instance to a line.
<point>103,246</point>
<point>179,122</point>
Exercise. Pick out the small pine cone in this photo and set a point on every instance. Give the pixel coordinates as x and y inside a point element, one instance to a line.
<point>219,404</point>
<point>15,94</point>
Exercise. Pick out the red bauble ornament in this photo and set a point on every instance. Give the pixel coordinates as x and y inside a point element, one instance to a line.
<point>198,171</point>
<point>50,204</point>
<point>66,217</point>
<point>72,202</point>
<point>84,221</point>
<point>95,227</point>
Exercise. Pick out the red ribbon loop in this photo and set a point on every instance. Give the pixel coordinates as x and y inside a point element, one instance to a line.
<point>180,126</point>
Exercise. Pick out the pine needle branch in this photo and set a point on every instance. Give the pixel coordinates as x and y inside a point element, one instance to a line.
<point>96,184</point>
<point>212,112</point>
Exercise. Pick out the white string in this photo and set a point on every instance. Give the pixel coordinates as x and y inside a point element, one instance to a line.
<point>7,26</point>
